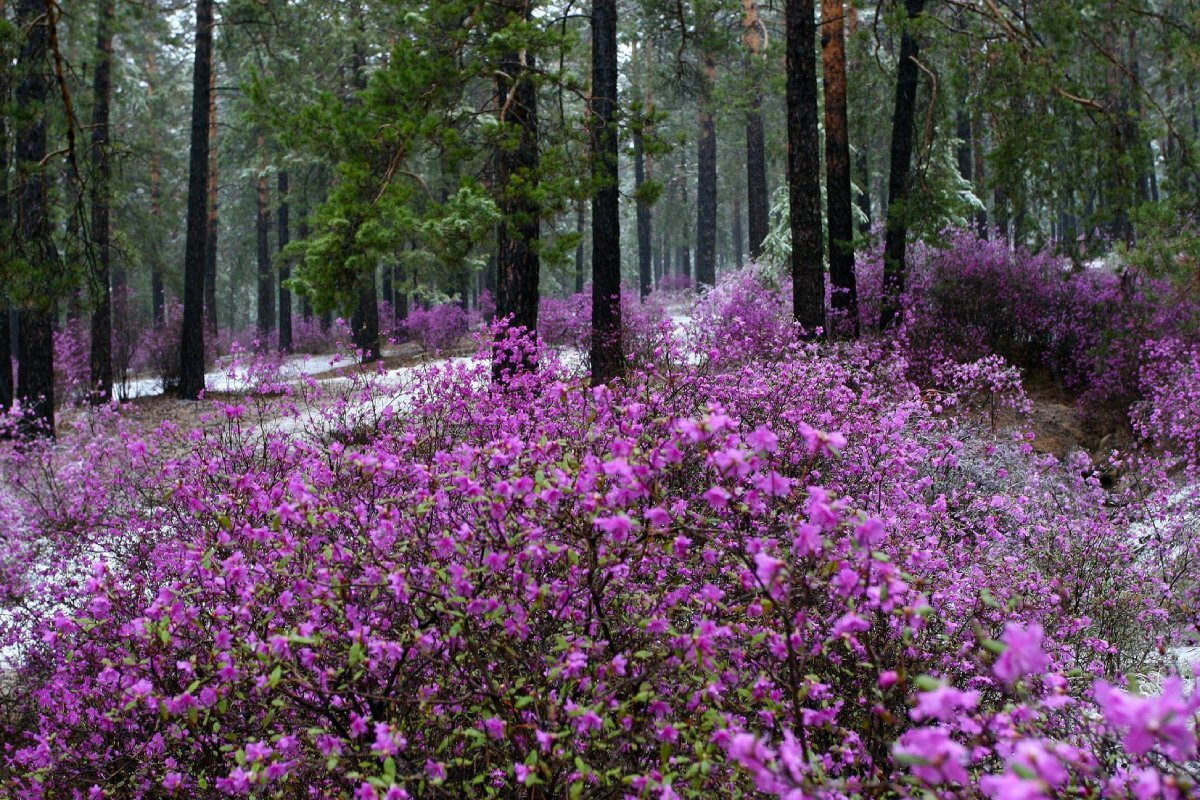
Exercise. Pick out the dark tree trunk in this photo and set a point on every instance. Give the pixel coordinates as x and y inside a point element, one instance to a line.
<point>962,131</point>
<point>518,265</point>
<point>7,237</point>
<point>607,352</point>
<point>804,168</point>
<point>758,204</point>
<point>101,362</point>
<point>844,299</point>
<point>706,184</point>
<point>580,255</point>
<point>266,277</point>
<point>364,323</point>
<point>981,216</point>
<point>285,270</point>
<point>645,278</point>
<point>157,293</point>
<point>864,191</point>
<point>35,343</point>
<point>306,311</point>
<point>401,309</point>
<point>191,372</point>
<point>214,214</point>
<point>739,246</point>
<point>896,237</point>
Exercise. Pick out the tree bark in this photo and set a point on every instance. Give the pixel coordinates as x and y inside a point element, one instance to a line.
<point>739,246</point>
<point>607,352</point>
<point>35,343</point>
<point>101,362</point>
<point>214,214</point>
<point>191,373</point>
<point>157,292</point>
<point>266,278</point>
<point>518,266</point>
<point>758,206</point>
<point>364,323</point>
<point>285,270</point>
<point>706,183</point>
<point>580,261</point>
<point>804,169</point>
<point>645,278</point>
<point>7,236</point>
<point>839,210</point>
<point>896,236</point>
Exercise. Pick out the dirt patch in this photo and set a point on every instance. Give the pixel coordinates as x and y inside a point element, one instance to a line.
<point>1060,426</point>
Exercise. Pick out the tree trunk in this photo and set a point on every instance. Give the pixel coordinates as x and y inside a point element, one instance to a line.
<point>580,262</point>
<point>7,237</point>
<point>896,237</point>
<point>365,321</point>
<point>101,362</point>
<point>214,204</point>
<point>758,205</point>
<point>191,373</point>
<point>266,277</point>
<point>804,169</point>
<point>518,265</point>
<point>739,246</point>
<point>844,299</point>
<point>157,293</point>
<point>285,270</point>
<point>607,352</point>
<point>35,344</point>
<point>645,278</point>
<point>306,311</point>
<point>706,183</point>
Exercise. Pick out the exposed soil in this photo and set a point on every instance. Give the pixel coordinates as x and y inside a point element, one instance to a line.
<point>1060,427</point>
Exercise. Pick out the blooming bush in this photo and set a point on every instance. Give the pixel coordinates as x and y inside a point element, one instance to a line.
<point>756,566</point>
<point>438,328</point>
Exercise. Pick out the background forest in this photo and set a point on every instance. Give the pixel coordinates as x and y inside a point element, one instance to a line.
<point>412,153</point>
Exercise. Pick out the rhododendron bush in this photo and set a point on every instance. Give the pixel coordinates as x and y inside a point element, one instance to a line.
<point>747,570</point>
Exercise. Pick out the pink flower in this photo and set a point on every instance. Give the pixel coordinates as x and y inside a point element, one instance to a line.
<point>944,703</point>
<point>617,527</point>
<point>933,756</point>
<point>1024,654</point>
<point>767,569</point>
<point>717,497</point>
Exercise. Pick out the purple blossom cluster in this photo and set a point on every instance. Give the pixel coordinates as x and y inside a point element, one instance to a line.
<point>757,566</point>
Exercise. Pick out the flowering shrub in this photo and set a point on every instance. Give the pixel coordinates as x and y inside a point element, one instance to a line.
<point>72,361</point>
<point>438,328</point>
<point>755,567</point>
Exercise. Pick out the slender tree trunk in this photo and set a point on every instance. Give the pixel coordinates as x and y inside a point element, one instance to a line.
<point>804,168</point>
<point>401,309</point>
<point>580,263</point>
<point>191,374</point>
<point>757,199</point>
<point>101,363</point>
<point>285,270</point>
<point>35,343</point>
<point>7,237</point>
<point>645,278</point>
<point>157,293</point>
<point>706,183</point>
<point>739,246</point>
<point>214,214</point>
<point>518,265</point>
<point>844,299</point>
<point>896,237</point>
<point>607,352</point>
<point>266,277</point>
<point>978,174</point>
<point>306,311</point>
